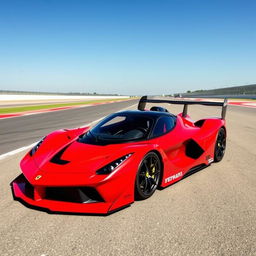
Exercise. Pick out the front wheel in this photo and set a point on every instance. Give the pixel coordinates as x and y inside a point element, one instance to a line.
<point>148,176</point>
<point>220,145</point>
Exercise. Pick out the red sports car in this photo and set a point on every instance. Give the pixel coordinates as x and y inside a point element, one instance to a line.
<point>126,156</point>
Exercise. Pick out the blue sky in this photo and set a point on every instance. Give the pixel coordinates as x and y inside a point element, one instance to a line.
<point>126,47</point>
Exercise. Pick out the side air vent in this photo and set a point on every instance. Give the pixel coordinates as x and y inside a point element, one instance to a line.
<point>57,158</point>
<point>193,150</point>
<point>199,123</point>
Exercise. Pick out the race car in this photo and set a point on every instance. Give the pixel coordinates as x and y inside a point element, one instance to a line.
<point>125,157</point>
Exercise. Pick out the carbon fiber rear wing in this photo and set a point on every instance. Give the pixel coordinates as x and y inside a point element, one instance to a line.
<point>144,100</point>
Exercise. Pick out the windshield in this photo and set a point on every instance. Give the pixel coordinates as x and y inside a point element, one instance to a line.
<point>119,128</point>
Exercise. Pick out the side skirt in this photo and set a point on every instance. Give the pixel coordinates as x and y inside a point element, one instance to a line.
<point>194,169</point>
<point>191,171</point>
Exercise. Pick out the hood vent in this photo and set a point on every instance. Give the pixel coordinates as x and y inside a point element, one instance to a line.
<point>57,158</point>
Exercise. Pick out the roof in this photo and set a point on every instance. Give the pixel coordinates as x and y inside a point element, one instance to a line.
<point>146,113</point>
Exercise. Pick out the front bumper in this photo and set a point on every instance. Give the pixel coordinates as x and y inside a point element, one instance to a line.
<point>43,197</point>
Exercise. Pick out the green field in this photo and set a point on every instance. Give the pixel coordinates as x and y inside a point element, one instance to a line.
<point>10,110</point>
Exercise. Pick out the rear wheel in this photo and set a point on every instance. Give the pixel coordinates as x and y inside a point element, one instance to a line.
<point>148,176</point>
<point>220,145</point>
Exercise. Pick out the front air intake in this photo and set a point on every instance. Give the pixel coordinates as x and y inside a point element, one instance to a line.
<point>73,194</point>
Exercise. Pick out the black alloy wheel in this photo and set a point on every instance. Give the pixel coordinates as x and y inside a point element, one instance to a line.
<point>148,176</point>
<point>220,145</point>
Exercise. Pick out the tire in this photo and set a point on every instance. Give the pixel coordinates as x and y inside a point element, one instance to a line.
<point>220,145</point>
<point>148,176</point>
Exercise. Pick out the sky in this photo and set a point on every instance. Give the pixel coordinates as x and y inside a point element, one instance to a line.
<point>126,46</point>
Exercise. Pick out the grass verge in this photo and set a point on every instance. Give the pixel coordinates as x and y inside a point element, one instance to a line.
<point>10,110</point>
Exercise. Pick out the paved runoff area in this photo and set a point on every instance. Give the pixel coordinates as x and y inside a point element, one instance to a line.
<point>212,212</point>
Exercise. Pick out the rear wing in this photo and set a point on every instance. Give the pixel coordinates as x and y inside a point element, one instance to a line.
<point>144,100</point>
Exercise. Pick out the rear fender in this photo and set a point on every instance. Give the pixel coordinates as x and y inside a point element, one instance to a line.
<point>207,135</point>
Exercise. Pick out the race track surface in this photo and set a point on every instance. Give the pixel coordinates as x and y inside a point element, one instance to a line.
<point>24,130</point>
<point>212,212</point>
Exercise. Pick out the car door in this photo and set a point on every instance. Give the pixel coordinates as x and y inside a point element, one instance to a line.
<point>172,138</point>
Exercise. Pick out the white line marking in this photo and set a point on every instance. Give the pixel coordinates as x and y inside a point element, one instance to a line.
<point>18,150</point>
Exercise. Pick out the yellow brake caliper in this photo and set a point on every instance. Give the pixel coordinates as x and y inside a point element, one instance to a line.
<point>153,169</point>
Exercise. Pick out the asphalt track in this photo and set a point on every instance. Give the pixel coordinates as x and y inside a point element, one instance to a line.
<point>212,212</point>
<point>24,130</point>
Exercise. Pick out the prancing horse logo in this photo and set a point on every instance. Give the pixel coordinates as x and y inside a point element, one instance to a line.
<point>38,177</point>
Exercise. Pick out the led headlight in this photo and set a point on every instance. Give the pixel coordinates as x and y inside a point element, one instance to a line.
<point>113,165</point>
<point>35,148</point>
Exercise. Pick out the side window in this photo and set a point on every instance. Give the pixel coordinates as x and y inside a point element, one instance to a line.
<point>163,125</point>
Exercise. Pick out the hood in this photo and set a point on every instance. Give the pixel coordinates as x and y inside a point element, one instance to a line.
<point>61,160</point>
<point>79,157</point>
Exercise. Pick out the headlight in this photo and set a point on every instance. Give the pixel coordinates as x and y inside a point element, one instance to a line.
<point>113,165</point>
<point>35,148</point>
